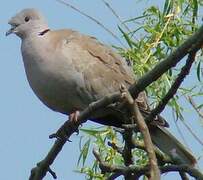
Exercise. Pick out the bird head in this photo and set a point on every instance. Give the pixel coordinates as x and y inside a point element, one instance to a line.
<point>26,22</point>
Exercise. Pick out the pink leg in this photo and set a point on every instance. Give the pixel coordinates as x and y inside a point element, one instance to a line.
<point>74,116</point>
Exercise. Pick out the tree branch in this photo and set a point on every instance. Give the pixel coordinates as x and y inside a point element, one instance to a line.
<point>139,120</point>
<point>183,175</point>
<point>63,134</point>
<point>192,44</point>
<point>115,147</point>
<point>127,136</point>
<point>139,171</point>
<point>127,151</point>
<point>161,157</point>
<point>172,91</point>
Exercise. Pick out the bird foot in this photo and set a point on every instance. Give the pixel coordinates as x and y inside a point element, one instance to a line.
<point>73,117</point>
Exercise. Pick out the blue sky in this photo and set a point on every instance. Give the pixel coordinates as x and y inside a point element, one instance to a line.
<point>25,122</point>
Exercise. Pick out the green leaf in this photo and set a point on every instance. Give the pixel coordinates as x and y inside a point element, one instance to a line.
<point>195,8</point>
<point>167,6</point>
<point>197,94</point>
<point>84,152</point>
<point>127,38</point>
<point>154,10</point>
<point>92,132</point>
<point>199,71</point>
<point>200,106</point>
<point>136,18</point>
<point>133,32</point>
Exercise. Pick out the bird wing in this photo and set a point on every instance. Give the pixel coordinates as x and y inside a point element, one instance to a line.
<point>103,70</point>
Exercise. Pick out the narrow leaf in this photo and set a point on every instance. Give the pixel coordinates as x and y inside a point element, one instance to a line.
<point>84,152</point>
<point>127,38</point>
<point>199,71</point>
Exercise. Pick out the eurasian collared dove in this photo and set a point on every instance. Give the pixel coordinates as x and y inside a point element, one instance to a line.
<point>68,70</point>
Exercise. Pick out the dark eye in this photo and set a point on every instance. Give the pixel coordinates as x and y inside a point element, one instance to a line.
<point>27,19</point>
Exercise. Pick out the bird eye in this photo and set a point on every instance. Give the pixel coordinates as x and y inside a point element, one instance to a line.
<point>27,19</point>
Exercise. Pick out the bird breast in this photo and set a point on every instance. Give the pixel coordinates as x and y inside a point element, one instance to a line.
<point>53,78</point>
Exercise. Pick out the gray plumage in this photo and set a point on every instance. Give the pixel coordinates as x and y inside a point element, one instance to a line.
<point>68,70</point>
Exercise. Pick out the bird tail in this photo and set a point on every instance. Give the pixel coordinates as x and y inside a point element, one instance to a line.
<point>161,137</point>
<point>168,144</point>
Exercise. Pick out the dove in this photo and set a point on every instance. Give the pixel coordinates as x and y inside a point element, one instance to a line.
<point>68,70</point>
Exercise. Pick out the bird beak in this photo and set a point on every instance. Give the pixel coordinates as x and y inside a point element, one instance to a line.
<point>11,31</point>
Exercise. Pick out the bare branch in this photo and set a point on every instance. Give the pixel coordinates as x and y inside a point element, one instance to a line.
<point>127,151</point>
<point>139,171</point>
<point>139,120</point>
<point>182,168</point>
<point>115,147</point>
<point>114,176</point>
<point>63,134</point>
<point>172,91</point>
<point>127,135</point>
<point>183,175</point>
<point>161,157</point>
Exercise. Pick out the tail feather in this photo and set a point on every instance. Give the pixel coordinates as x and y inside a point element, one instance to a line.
<point>167,143</point>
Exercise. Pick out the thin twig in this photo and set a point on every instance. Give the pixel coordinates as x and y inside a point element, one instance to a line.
<point>130,127</point>
<point>192,102</point>
<point>172,91</point>
<point>128,137</point>
<point>183,168</point>
<point>180,133</point>
<point>114,176</point>
<point>116,14</point>
<point>127,151</point>
<point>139,171</point>
<point>154,170</point>
<point>192,133</point>
<point>183,176</point>
<point>115,147</point>
<point>93,19</point>
<point>161,157</point>
<point>52,173</point>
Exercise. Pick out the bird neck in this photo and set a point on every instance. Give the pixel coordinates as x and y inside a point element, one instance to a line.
<point>44,32</point>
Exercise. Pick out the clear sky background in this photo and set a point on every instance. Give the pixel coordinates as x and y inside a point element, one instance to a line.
<point>25,122</point>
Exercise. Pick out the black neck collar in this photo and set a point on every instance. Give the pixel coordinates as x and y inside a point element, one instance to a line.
<point>44,32</point>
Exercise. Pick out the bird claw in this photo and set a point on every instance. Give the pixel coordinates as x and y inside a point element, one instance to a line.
<point>73,117</point>
<point>59,137</point>
<point>54,135</point>
<point>61,133</point>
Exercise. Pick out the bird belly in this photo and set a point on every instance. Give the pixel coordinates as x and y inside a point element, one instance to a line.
<point>59,87</point>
